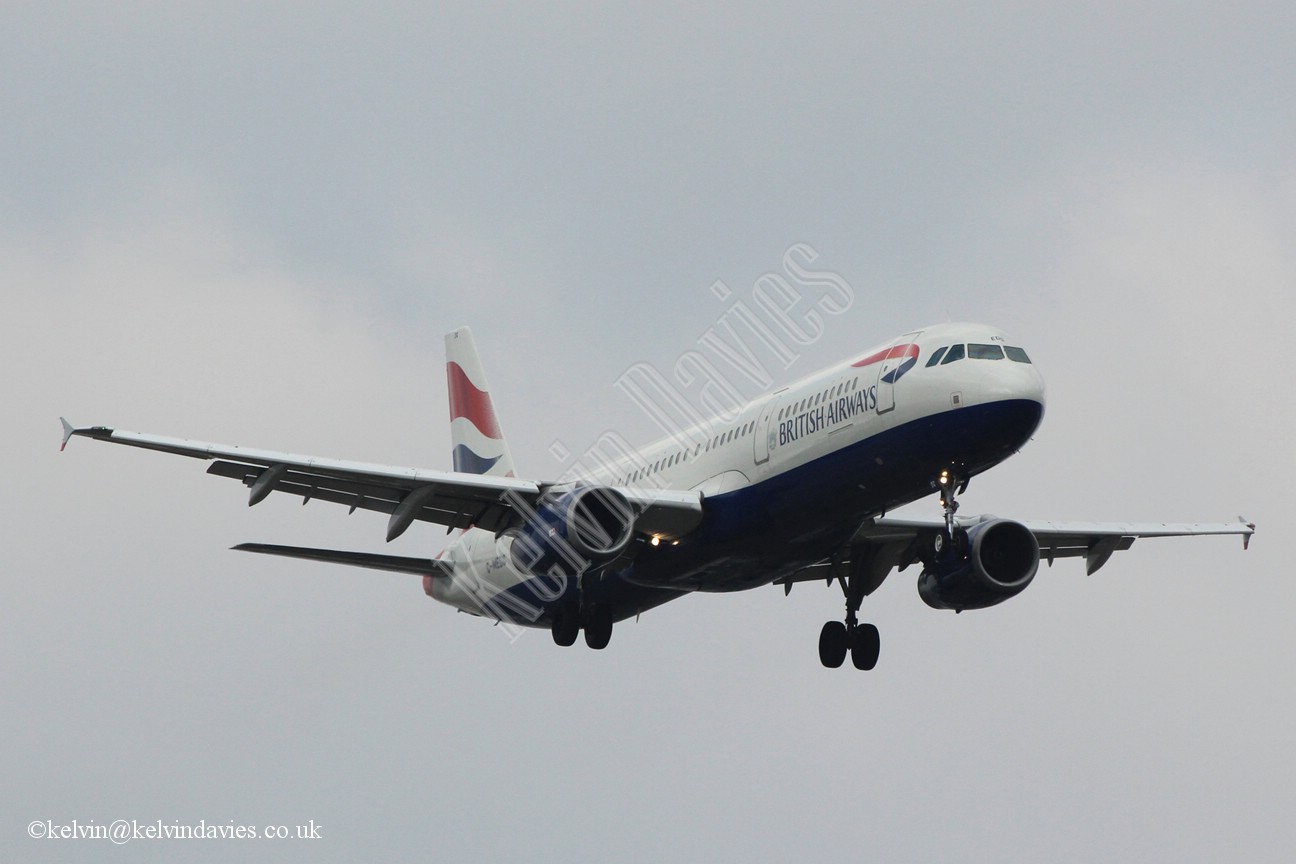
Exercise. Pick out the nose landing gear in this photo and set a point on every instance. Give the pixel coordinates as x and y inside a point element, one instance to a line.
<point>948,543</point>
<point>950,486</point>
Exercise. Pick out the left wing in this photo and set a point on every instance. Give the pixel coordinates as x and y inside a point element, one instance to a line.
<point>450,498</point>
<point>1094,541</point>
<point>884,543</point>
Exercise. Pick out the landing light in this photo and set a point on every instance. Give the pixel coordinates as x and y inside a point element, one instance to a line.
<point>656,541</point>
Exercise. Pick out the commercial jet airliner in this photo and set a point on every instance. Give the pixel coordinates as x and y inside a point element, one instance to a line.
<point>794,486</point>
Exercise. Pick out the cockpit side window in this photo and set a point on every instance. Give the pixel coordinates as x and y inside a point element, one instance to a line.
<point>985,352</point>
<point>1016,354</point>
<point>955,353</point>
<point>939,353</point>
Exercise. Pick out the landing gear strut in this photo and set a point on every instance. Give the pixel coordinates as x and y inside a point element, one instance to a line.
<point>949,486</point>
<point>838,638</point>
<point>946,543</point>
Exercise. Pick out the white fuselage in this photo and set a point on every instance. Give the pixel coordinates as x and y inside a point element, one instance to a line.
<point>801,449</point>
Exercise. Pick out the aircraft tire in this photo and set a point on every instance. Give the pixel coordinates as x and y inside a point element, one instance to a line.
<point>866,644</point>
<point>565,628</point>
<point>833,644</point>
<point>598,630</point>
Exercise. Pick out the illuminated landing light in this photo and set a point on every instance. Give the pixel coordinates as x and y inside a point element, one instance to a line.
<point>656,541</point>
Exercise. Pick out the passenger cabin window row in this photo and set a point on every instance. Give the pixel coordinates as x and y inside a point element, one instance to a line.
<point>976,351</point>
<point>819,398</point>
<point>942,356</point>
<point>679,456</point>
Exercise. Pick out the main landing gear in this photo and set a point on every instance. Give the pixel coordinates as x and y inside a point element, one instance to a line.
<point>595,618</point>
<point>838,638</point>
<point>861,641</point>
<point>568,622</point>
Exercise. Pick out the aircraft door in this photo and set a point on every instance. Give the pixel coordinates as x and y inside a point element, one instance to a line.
<point>764,437</point>
<point>900,358</point>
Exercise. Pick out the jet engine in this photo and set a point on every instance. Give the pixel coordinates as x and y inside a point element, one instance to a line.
<point>569,531</point>
<point>984,565</point>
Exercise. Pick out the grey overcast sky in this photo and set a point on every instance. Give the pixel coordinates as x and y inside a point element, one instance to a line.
<point>252,223</point>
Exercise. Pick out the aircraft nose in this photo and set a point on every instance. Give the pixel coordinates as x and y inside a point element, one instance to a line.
<point>1031,385</point>
<point>1019,389</point>
<point>1028,389</point>
<point>1010,380</point>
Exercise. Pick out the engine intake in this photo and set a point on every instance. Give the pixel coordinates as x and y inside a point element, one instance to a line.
<point>572,530</point>
<point>991,562</point>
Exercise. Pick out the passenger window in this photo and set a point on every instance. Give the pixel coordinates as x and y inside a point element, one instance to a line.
<point>1016,354</point>
<point>985,352</point>
<point>955,353</point>
<point>935,358</point>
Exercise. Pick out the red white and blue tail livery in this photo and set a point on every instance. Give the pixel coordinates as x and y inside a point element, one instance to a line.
<point>794,486</point>
<point>475,433</point>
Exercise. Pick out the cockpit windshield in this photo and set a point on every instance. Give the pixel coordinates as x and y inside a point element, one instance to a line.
<point>976,351</point>
<point>985,352</point>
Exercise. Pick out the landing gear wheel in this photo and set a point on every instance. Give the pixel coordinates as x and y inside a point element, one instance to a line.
<point>833,643</point>
<point>565,627</point>
<point>865,645</point>
<point>598,629</point>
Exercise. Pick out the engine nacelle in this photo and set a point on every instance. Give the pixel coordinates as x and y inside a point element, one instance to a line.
<point>991,561</point>
<point>572,530</point>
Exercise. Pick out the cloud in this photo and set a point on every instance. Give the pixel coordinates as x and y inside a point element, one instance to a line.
<point>255,230</point>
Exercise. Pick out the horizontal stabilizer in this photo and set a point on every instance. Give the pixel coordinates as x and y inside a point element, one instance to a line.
<point>390,563</point>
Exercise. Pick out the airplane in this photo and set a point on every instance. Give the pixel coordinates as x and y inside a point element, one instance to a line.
<point>793,486</point>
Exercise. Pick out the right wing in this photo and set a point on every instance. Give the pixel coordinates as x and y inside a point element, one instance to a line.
<point>454,499</point>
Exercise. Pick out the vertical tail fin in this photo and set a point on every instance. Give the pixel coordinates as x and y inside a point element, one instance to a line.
<point>479,446</point>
